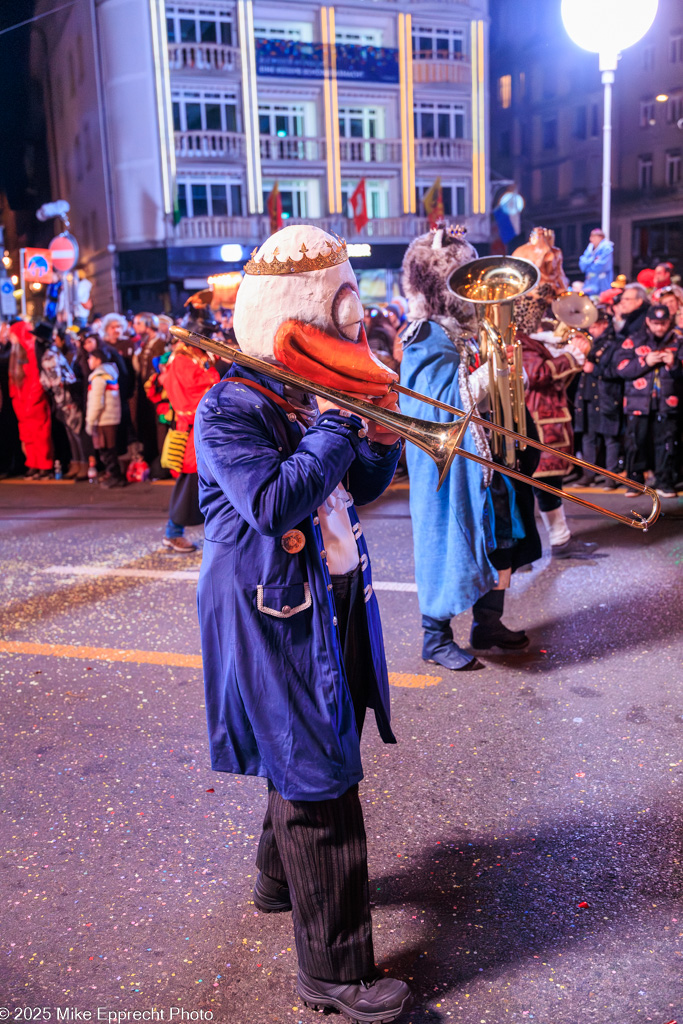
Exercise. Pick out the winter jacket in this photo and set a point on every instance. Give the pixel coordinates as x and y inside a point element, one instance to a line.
<point>277,700</point>
<point>59,380</point>
<point>598,268</point>
<point>186,378</point>
<point>104,400</point>
<point>650,388</point>
<point>600,388</point>
<point>547,401</point>
<point>633,321</point>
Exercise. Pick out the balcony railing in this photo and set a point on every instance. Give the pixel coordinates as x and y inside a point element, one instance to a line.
<point>455,151</point>
<point>209,145</point>
<point>370,151</point>
<point>291,147</point>
<point>452,68</point>
<point>203,57</point>
<point>254,230</point>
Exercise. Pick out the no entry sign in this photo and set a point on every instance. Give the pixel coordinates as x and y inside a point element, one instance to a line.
<point>64,249</point>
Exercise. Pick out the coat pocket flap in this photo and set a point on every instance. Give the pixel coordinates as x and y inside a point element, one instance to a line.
<point>283,602</point>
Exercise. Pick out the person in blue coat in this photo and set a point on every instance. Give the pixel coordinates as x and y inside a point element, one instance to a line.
<point>290,630</point>
<point>473,533</point>
<point>597,263</point>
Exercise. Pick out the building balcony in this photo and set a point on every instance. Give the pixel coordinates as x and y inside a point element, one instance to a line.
<point>451,69</point>
<point>443,151</point>
<point>250,231</point>
<point>203,57</point>
<point>370,151</point>
<point>291,147</point>
<point>228,146</point>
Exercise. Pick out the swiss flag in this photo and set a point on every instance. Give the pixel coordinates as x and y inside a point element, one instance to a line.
<point>274,205</point>
<point>359,205</point>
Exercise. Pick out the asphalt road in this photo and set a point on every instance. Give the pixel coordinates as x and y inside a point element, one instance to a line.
<point>524,835</point>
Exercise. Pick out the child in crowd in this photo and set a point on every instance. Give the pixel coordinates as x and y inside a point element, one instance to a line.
<point>103,413</point>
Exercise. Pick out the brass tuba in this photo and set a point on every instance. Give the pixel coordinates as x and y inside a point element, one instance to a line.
<point>577,312</point>
<point>492,283</point>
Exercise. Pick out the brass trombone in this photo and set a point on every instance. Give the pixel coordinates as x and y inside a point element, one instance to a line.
<point>441,441</point>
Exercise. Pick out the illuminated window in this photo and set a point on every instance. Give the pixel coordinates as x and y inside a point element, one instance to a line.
<point>505,91</point>
<point>647,113</point>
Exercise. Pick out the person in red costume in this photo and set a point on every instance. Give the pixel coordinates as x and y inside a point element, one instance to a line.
<point>185,379</point>
<point>30,402</point>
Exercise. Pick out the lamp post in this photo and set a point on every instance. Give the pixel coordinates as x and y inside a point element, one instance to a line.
<point>607,27</point>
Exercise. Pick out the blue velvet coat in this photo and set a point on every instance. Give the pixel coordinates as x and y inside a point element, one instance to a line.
<point>277,700</point>
<point>452,529</point>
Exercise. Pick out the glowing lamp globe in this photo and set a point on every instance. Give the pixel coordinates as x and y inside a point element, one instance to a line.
<point>607,26</point>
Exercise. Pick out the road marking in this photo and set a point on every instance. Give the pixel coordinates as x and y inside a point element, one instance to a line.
<point>191,575</point>
<point>405,679</point>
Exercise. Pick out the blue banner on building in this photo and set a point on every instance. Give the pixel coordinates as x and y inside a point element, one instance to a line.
<point>286,58</point>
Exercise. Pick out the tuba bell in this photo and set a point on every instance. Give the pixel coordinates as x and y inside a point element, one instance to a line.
<point>577,312</point>
<point>492,283</point>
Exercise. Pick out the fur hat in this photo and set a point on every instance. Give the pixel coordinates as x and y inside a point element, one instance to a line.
<point>428,263</point>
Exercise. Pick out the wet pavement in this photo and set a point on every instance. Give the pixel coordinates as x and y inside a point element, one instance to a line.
<point>525,835</point>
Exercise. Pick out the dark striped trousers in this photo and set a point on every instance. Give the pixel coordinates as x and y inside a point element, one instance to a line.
<point>318,846</point>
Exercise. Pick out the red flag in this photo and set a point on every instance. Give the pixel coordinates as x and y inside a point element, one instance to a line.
<point>274,205</point>
<point>433,203</point>
<point>359,205</point>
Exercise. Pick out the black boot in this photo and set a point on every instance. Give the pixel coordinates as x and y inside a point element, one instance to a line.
<point>378,999</point>
<point>271,896</point>
<point>440,647</point>
<point>487,629</point>
<point>111,464</point>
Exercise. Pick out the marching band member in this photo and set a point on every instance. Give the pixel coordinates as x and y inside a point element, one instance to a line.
<point>476,530</point>
<point>291,637</point>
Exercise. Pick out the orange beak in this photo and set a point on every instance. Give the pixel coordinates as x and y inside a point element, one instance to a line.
<point>322,359</point>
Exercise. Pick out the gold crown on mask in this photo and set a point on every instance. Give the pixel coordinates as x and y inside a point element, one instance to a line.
<point>334,255</point>
<point>542,234</point>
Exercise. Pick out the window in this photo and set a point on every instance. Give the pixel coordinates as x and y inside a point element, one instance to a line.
<point>281,120</point>
<point>376,193</point>
<point>647,113</point>
<point>645,172</point>
<point>193,25</point>
<point>361,123</point>
<point>558,236</point>
<point>549,82</point>
<point>438,43</point>
<point>359,37</point>
<point>299,31</point>
<point>550,134</point>
<point>214,197</point>
<point>648,58</point>
<point>505,91</point>
<point>580,123</point>
<point>595,120</point>
<point>676,48</point>
<point>454,198</point>
<point>549,182</point>
<point>198,111</point>
<point>673,167</point>
<point>439,121</point>
<point>294,196</point>
<point>674,108</point>
<point>505,144</point>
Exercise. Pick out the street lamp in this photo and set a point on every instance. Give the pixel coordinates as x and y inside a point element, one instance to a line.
<point>607,27</point>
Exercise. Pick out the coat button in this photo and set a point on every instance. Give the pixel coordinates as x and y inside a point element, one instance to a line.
<point>362,432</point>
<point>323,554</point>
<point>286,609</point>
<point>334,621</point>
<point>329,586</point>
<point>316,521</point>
<point>291,416</point>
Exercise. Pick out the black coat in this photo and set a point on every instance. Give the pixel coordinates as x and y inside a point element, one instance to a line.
<point>650,389</point>
<point>601,389</point>
<point>634,321</point>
